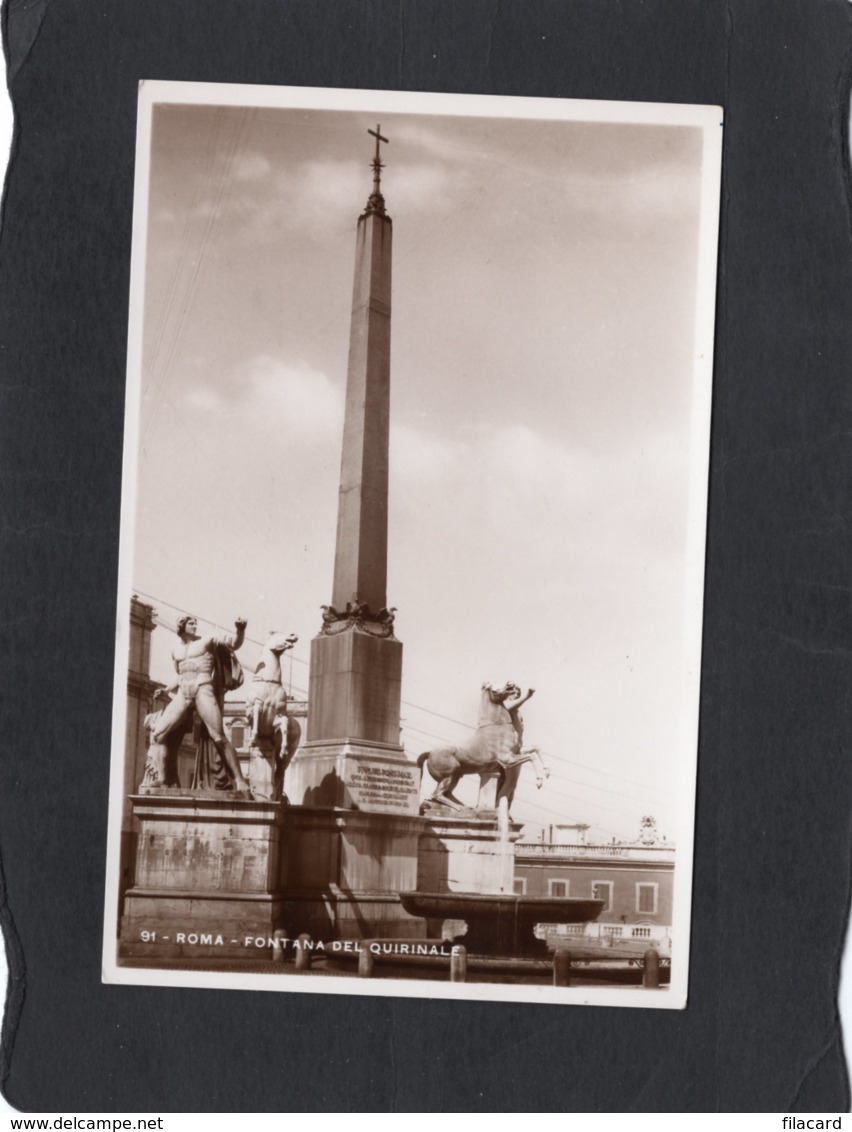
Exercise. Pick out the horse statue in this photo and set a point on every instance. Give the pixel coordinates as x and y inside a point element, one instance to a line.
<point>495,748</point>
<point>273,734</point>
<point>161,757</point>
<point>162,753</point>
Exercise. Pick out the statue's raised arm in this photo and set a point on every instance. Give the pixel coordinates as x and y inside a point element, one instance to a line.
<point>233,641</point>
<point>240,636</point>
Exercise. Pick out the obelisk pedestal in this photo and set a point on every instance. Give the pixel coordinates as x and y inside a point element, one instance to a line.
<point>352,757</point>
<point>351,840</point>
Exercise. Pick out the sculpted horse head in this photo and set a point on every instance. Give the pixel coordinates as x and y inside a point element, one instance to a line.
<point>269,666</point>
<point>510,688</point>
<point>492,702</point>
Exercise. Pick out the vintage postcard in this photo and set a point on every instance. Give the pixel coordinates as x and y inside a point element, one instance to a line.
<point>409,641</point>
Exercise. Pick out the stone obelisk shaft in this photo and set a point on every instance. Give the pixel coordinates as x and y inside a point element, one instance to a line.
<point>360,563</point>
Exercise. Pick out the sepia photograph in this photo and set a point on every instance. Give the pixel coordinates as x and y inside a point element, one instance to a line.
<point>412,553</point>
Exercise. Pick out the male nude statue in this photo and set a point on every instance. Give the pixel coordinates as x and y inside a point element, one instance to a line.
<point>194,660</point>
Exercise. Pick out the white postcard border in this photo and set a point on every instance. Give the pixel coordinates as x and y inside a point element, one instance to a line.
<point>710,119</point>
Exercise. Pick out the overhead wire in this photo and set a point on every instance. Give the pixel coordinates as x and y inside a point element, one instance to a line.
<point>221,193</point>
<point>408,726</point>
<point>520,800</point>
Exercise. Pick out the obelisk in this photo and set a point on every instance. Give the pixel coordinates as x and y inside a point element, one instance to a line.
<point>361,553</point>
<point>352,757</point>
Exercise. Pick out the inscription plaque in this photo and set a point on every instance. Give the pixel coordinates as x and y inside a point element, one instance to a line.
<point>383,788</point>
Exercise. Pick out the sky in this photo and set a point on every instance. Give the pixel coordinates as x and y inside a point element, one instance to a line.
<point>543,340</point>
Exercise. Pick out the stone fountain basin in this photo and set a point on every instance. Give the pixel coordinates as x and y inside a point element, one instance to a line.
<point>499,923</point>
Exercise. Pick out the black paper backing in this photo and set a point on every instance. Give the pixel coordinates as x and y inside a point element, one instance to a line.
<point>771,887</point>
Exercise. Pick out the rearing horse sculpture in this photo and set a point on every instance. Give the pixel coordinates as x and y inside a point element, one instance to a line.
<point>494,748</point>
<point>273,734</point>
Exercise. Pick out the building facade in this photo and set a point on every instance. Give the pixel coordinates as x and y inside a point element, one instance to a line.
<point>140,702</point>
<point>634,879</point>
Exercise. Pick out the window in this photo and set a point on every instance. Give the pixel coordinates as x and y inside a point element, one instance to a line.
<point>557,888</point>
<point>602,890</point>
<point>520,886</point>
<point>646,898</point>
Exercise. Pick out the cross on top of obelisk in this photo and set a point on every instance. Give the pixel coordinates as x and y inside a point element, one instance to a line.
<point>376,202</point>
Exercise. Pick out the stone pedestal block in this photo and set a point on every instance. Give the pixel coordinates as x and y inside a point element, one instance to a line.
<point>370,777</point>
<point>342,872</point>
<point>463,860</point>
<point>355,687</point>
<point>206,881</point>
<point>263,775</point>
<point>465,855</point>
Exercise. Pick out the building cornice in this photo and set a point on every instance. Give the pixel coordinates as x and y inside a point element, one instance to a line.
<point>615,856</point>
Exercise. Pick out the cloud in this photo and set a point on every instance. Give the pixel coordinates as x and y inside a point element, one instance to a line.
<point>251,167</point>
<point>417,455</point>
<point>312,188</point>
<point>268,397</point>
<point>531,506</point>
<point>203,398</point>
<point>421,187</point>
<point>304,398</point>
